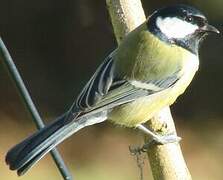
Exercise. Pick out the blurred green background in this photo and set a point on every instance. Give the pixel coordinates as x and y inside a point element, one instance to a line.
<point>56,46</point>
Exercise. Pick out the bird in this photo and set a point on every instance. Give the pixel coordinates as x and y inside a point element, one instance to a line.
<point>151,67</point>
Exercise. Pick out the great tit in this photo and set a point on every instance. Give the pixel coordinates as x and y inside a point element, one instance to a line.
<point>151,67</point>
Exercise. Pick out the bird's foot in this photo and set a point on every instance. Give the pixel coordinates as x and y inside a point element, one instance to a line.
<point>161,140</point>
<point>156,140</point>
<point>165,139</point>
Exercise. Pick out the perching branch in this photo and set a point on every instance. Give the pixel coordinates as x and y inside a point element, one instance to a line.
<point>14,73</point>
<point>166,161</point>
<point>126,15</point>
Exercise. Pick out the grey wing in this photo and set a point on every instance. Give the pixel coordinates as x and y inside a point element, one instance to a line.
<point>105,90</point>
<point>129,91</point>
<point>98,85</point>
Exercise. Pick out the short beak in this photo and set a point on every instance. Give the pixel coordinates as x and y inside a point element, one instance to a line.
<point>210,28</point>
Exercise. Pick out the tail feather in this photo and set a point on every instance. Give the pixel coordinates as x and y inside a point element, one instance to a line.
<point>23,150</point>
<point>23,169</point>
<point>25,154</point>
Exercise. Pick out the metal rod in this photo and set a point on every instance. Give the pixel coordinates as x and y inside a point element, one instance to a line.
<point>7,59</point>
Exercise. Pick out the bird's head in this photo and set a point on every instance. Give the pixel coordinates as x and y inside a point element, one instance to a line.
<point>182,25</point>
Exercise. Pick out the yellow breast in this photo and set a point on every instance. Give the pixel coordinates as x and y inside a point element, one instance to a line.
<point>143,109</point>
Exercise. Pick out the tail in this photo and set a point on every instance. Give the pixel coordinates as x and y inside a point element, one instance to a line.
<point>25,154</point>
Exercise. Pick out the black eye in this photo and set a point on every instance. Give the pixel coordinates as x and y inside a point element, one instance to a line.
<point>189,18</point>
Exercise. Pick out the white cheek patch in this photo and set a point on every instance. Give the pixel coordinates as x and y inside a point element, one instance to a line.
<point>174,27</point>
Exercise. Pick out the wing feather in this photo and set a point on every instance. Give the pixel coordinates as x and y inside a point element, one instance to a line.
<point>105,90</point>
<point>98,85</point>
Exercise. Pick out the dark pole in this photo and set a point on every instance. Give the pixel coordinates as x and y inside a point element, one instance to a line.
<point>7,59</point>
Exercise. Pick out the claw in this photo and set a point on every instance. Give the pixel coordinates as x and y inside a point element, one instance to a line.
<point>161,140</point>
<point>157,138</point>
<point>169,138</point>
